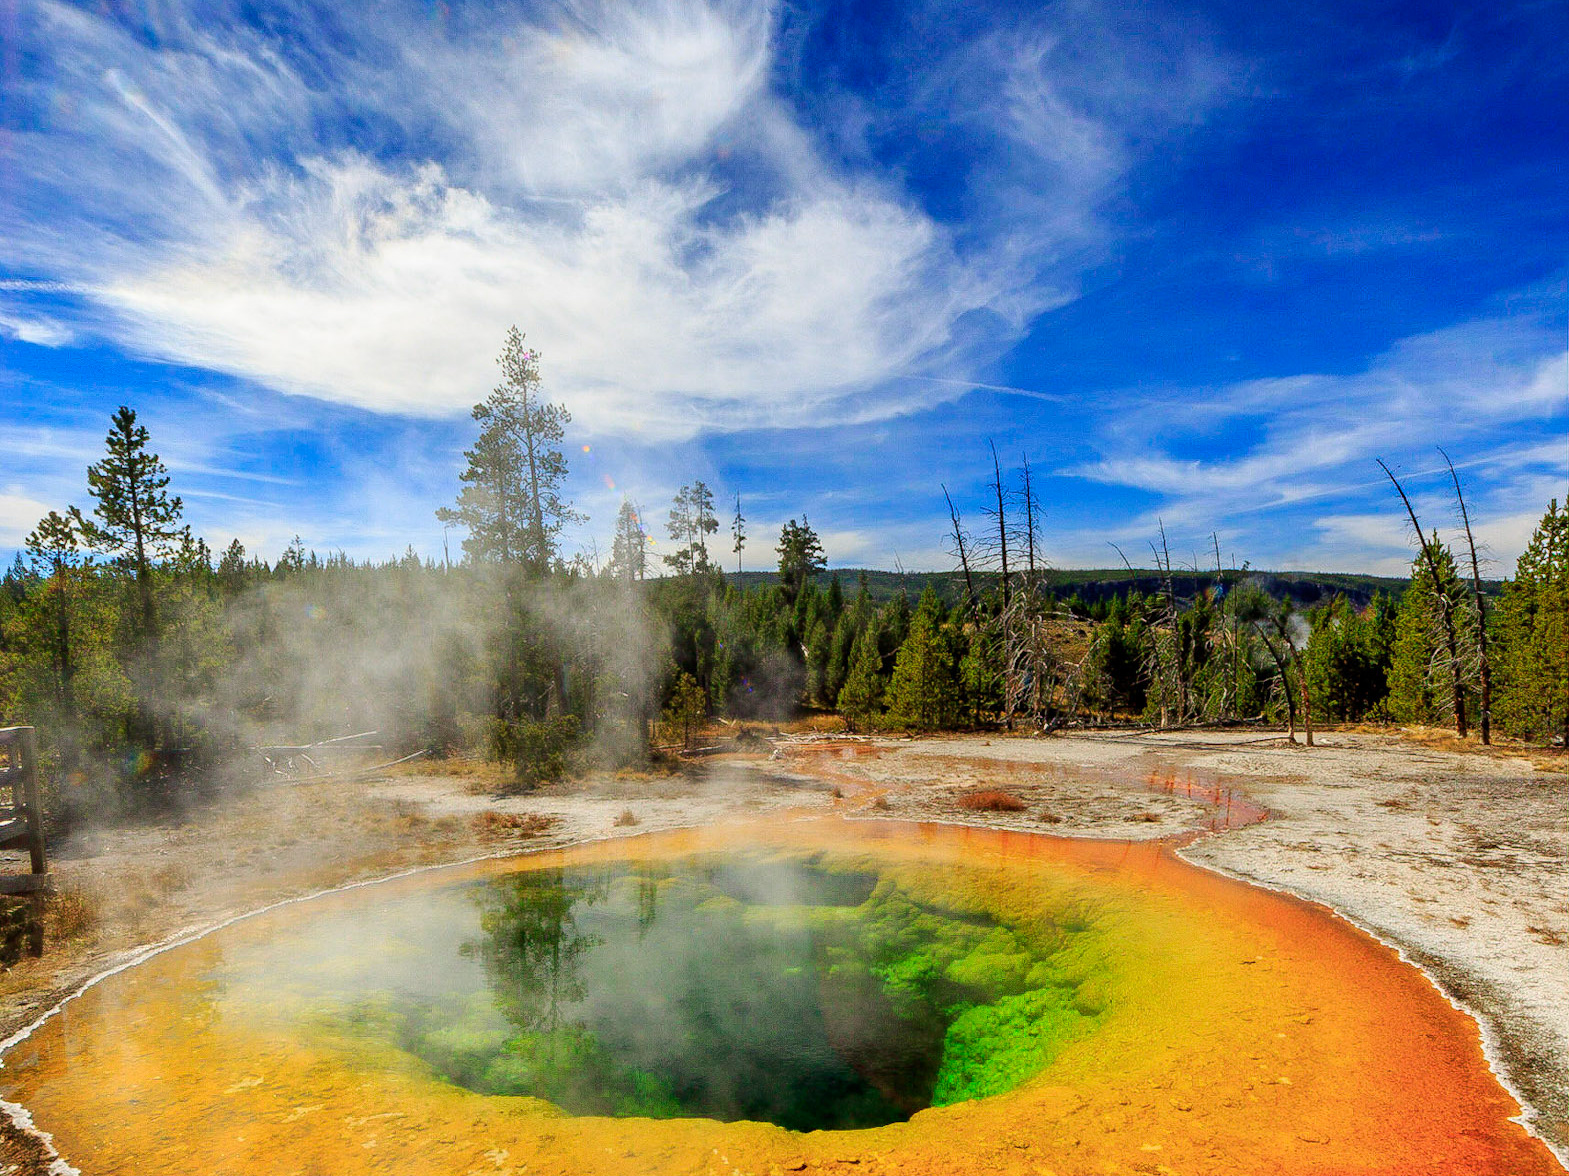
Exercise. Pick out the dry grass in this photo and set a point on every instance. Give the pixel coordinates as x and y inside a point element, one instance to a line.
<point>493,826</point>
<point>1544,759</point>
<point>68,916</point>
<point>991,800</point>
<point>478,775</point>
<point>166,880</point>
<point>1048,817</point>
<point>626,819</point>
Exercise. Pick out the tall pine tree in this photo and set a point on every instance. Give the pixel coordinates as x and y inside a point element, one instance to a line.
<point>1427,679</point>
<point>924,693</point>
<point>511,500</point>
<point>1533,630</point>
<point>135,519</point>
<point>862,694</point>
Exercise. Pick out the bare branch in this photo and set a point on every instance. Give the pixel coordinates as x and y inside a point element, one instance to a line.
<point>1481,608</point>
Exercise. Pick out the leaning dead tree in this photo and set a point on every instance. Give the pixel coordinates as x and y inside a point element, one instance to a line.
<point>961,550</point>
<point>1443,604</point>
<point>997,541</point>
<point>1485,718</point>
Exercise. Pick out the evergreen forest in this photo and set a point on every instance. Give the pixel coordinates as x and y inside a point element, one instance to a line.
<point>155,667</point>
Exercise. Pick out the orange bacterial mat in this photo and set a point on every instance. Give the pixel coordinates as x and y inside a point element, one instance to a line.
<point>1237,1031</point>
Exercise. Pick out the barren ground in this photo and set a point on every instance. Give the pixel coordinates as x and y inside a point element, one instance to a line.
<point>1457,857</point>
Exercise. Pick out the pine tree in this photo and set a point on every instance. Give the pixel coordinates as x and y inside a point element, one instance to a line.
<point>1533,631</point>
<point>800,557</point>
<point>234,571</point>
<point>861,696</point>
<point>691,522</point>
<point>1425,680</point>
<point>1346,677</point>
<point>924,692</point>
<point>738,534</point>
<point>136,521</point>
<point>629,549</point>
<point>55,556</point>
<point>67,679</point>
<point>511,498</point>
<point>688,704</point>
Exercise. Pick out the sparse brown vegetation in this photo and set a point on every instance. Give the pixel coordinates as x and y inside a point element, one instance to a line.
<point>991,800</point>
<point>68,916</point>
<point>626,819</point>
<point>494,826</point>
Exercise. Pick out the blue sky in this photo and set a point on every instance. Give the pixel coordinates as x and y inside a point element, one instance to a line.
<point>1199,263</point>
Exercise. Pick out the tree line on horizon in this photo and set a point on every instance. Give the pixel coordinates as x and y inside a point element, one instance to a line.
<point>154,669</point>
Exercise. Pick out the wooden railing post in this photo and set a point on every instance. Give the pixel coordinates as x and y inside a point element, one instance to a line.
<point>35,809</point>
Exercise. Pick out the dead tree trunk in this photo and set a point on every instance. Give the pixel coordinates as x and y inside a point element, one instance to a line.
<point>1307,703</point>
<point>1179,687</point>
<point>1486,717</point>
<point>1285,687</point>
<point>1445,606</point>
<point>1031,528</point>
<point>961,551</point>
<point>1002,522</point>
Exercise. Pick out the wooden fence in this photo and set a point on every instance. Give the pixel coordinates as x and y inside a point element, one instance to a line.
<point>21,814</point>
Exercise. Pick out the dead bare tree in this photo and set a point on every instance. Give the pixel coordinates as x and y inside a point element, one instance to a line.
<point>1485,718</point>
<point>961,550</point>
<point>1046,651</point>
<point>1168,639</point>
<point>1445,605</point>
<point>1029,529</point>
<point>1231,695</point>
<point>1001,515</point>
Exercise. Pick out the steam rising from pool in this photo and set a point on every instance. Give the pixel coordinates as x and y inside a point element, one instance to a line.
<point>939,1000</point>
<point>799,989</point>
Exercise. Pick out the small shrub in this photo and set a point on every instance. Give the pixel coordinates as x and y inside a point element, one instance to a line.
<point>881,804</point>
<point>68,915</point>
<point>493,826</point>
<point>165,880</point>
<point>627,818</point>
<point>991,800</point>
<point>538,751</point>
<point>1050,818</point>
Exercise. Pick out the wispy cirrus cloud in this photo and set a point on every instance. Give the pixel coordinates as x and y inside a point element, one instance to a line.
<point>355,210</point>
<point>1316,438</point>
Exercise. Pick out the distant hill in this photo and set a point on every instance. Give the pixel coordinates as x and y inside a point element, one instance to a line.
<point>1096,584</point>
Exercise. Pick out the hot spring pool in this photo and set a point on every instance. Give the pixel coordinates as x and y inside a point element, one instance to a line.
<point>815,995</point>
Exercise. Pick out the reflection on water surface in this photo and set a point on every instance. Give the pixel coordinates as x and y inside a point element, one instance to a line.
<point>1128,1012</point>
<point>748,986</point>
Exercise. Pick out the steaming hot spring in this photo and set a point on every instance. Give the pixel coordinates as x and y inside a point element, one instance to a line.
<point>812,996</point>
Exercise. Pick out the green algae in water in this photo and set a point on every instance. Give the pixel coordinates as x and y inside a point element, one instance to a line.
<point>811,994</point>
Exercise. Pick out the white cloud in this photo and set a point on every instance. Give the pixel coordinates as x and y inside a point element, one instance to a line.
<point>609,93</point>
<point>38,330</point>
<point>1319,437</point>
<point>621,181</point>
<point>19,514</point>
